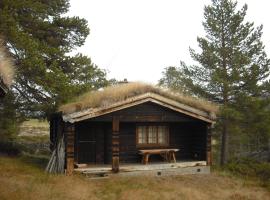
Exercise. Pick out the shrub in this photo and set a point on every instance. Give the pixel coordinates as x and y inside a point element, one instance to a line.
<point>10,148</point>
<point>250,168</point>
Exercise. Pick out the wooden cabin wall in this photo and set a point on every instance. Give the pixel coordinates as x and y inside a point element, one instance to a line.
<point>128,149</point>
<point>108,144</point>
<point>56,129</point>
<point>94,137</point>
<point>180,139</point>
<point>186,133</point>
<point>144,113</point>
<point>199,141</point>
<point>190,138</point>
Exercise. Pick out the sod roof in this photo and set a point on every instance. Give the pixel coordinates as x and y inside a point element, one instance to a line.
<point>127,93</point>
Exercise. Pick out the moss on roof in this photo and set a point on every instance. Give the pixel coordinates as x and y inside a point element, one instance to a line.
<point>117,93</point>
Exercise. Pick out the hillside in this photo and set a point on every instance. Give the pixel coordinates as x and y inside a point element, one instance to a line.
<point>23,178</point>
<point>34,127</point>
<point>34,137</point>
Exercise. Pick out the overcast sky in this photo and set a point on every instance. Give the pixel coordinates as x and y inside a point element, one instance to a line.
<point>137,39</point>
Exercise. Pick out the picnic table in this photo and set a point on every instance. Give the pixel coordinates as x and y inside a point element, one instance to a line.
<point>167,154</point>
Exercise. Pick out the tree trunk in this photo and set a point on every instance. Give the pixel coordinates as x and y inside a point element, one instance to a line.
<point>224,144</point>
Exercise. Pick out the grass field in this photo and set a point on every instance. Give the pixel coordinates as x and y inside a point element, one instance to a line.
<point>35,123</point>
<point>23,178</point>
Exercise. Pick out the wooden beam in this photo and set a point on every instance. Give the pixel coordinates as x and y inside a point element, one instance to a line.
<point>69,134</point>
<point>141,118</point>
<point>209,145</point>
<point>115,144</point>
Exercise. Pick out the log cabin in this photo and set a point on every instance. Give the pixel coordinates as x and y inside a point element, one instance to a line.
<point>134,127</point>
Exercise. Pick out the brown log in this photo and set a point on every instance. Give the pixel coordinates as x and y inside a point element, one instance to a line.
<point>115,145</point>
<point>69,132</point>
<point>70,166</point>
<point>115,164</point>
<point>209,146</point>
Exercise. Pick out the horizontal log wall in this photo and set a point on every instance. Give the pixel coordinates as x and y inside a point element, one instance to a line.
<point>147,112</point>
<point>98,132</point>
<point>186,134</point>
<point>190,138</point>
<point>128,150</point>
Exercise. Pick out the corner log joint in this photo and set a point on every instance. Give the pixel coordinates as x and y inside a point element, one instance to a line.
<point>70,134</point>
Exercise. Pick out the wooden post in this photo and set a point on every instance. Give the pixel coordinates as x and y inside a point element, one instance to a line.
<point>115,145</point>
<point>70,134</point>
<point>208,145</point>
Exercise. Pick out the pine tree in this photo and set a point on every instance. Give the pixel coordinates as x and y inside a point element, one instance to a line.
<point>41,37</point>
<point>232,65</point>
<point>174,79</point>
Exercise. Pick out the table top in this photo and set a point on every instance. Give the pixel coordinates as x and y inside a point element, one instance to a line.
<point>157,150</point>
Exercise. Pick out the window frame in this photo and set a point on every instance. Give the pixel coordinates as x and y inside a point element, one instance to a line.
<point>167,136</point>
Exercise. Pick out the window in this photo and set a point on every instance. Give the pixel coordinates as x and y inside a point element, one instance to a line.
<point>142,135</point>
<point>162,135</point>
<point>152,135</point>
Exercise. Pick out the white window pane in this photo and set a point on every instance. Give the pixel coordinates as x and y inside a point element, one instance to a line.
<point>141,134</point>
<point>162,139</point>
<point>152,134</point>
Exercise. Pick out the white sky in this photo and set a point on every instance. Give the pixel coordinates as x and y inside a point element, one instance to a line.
<point>137,39</point>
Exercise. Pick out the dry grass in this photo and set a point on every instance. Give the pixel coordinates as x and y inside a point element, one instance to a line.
<point>21,179</point>
<point>6,66</point>
<point>122,92</point>
<point>35,123</point>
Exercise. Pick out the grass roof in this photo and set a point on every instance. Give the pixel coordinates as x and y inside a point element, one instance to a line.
<point>6,67</point>
<point>113,94</point>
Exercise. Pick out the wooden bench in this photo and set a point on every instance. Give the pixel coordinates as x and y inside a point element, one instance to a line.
<point>167,154</point>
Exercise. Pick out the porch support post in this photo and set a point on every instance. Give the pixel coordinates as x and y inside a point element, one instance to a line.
<point>70,134</point>
<point>208,145</point>
<point>115,144</point>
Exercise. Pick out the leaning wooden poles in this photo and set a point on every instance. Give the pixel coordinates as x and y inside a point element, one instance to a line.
<point>57,161</point>
<point>62,146</point>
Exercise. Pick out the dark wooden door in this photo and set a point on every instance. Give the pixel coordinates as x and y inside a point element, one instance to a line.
<point>87,146</point>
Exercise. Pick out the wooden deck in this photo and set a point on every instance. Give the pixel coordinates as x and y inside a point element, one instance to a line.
<point>184,167</point>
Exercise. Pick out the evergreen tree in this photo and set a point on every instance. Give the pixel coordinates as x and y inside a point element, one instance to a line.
<point>232,68</point>
<point>9,118</point>
<point>41,37</point>
<point>175,80</point>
